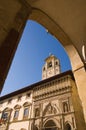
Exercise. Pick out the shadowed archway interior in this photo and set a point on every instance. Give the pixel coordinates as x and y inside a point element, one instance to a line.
<point>50,125</point>
<point>67,127</point>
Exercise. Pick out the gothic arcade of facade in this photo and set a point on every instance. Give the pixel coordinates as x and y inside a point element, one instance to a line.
<point>51,104</point>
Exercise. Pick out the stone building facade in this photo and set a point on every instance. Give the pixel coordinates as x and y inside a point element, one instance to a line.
<point>51,104</point>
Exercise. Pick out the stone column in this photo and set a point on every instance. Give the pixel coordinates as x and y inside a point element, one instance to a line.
<point>9,45</point>
<point>79,74</point>
<point>62,122</point>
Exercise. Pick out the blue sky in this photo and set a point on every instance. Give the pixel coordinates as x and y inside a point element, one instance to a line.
<point>34,46</point>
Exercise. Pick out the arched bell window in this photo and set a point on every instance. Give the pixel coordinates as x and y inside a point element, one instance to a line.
<point>49,64</point>
<point>43,68</point>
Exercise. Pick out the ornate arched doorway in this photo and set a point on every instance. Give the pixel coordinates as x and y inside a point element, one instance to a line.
<point>50,125</point>
<point>68,127</point>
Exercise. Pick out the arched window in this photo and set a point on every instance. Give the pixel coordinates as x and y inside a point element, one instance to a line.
<point>44,69</point>
<point>49,64</point>
<point>16,113</point>
<point>6,114</point>
<point>26,113</point>
<point>56,63</point>
<point>26,110</point>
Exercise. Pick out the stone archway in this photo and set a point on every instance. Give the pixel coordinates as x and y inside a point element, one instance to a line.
<point>67,127</point>
<point>15,24</point>
<point>50,125</point>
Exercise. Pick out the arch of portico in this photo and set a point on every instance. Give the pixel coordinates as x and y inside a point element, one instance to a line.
<point>64,20</point>
<point>50,124</point>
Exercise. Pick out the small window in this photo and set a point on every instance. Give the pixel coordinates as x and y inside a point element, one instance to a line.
<point>44,69</point>
<point>56,63</point>
<point>26,112</point>
<point>5,115</point>
<point>16,114</point>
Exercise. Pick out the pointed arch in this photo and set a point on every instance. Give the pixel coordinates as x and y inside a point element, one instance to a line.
<point>68,126</point>
<point>50,109</point>
<point>51,124</point>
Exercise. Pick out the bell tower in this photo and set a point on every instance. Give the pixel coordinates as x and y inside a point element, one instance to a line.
<point>51,67</point>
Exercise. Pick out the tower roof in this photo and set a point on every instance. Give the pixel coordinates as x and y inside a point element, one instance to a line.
<point>51,56</point>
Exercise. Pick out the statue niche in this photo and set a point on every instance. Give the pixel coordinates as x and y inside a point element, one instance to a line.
<point>50,109</point>
<point>37,112</point>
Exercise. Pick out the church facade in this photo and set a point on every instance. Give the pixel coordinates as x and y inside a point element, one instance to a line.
<point>51,104</point>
